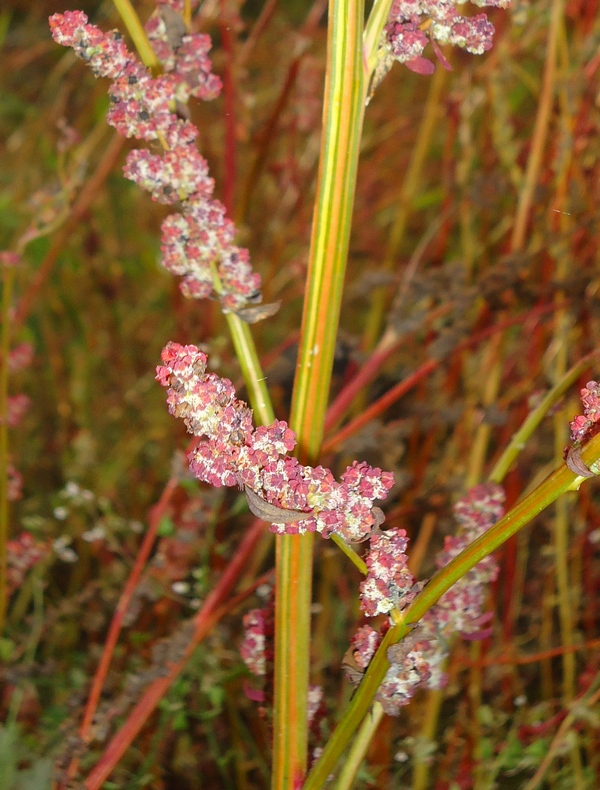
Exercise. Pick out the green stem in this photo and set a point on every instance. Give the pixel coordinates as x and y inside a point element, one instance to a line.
<point>8,276</point>
<point>137,33</point>
<point>517,443</point>
<point>342,126</point>
<point>359,748</point>
<point>561,481</point>
<point>373,30</point>
<point>254,378</point>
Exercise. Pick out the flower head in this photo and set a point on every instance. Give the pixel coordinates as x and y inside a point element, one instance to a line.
<point>197,242</point>
<point>295,498</point>
<point>412,24</point>
<point>585,425</point>
<point>388,584</point>
<point>418,660</point>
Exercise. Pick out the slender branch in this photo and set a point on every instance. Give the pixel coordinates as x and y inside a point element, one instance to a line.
<point>561,481</point>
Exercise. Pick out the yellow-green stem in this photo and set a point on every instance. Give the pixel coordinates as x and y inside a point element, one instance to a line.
<point>359,747</point>
<point>409,186</point>
<point>254,378</point>
<point>540,131</point>
<point>8,273</point>
<point>517,443</point>
<point>433,705</point>
<point>561,481</point>
<point>566,587</point>
<point>342,125</point>
<point>137,33</point>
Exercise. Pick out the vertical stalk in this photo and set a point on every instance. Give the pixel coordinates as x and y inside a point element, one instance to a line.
<point>8,276</point>
<point>409,186</point>
<point>540,130</point>
<point>563,332</point>
<point>343,114</point>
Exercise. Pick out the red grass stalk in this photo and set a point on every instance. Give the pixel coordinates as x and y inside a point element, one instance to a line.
<point>116,624</point>
<point>534,658</point>
<point>87,196</point>
<point>395,393</point>
<point>214,608</point>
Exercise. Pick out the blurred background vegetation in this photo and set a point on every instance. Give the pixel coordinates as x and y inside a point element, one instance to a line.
<point>435,259</point>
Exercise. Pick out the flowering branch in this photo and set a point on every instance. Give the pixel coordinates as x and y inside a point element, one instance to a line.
<point>561,481</point>
<point>295,498</point>
<point>198,245</point>
<point>197,242</point>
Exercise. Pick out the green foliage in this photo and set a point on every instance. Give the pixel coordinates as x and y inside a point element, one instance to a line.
<point>20,769</point>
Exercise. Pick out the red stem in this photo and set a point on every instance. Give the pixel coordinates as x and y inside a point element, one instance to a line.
<point>211,612</point>
<point>391,396</point>
<point>87,196</point>
<point>116,624</point>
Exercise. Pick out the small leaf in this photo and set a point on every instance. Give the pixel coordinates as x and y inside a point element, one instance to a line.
<point>271,513</point>
<point>351,668</point>
<point>420,65</point>
<point>576,463</point>
<point>174,24</point>
<point>378,517</point>
<point>252,315</point>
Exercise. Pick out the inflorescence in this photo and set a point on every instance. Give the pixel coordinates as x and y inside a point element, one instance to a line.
<point>583,428</point>
<point>197,242</point>
<point>418,660</point>
<point>412,24</point>
<point>233,452</point>
<point>586,425</point>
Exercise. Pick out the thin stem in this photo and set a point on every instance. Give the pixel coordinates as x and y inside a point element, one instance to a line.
<point>137,33</point>
<point>89,193</point>
<point>215,606</point>
<point>540,131</point>
<point>409,187</point>
<point>254,378</point>
<point>229,107</point>
<point>565,583</point>
<point>373,30</point>
<point>562,480</point>
<point>400,389</point>
<point>517,443</point>
<point>359,748</point>
<point>356,559</point>
<point>589,700</point>
<point>8,273</point>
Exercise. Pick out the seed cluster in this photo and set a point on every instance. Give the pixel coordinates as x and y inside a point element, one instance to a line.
<point>197,242</point>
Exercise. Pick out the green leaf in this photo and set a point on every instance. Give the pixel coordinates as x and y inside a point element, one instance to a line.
<point>166,528</point>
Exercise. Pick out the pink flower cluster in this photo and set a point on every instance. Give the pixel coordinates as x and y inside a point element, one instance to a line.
<point>295,498</point>
<point>586,425</point>
<point>23,553</point>
<point>257,647</point>
<point>17,406</point>
<point>412,24</point>
<point>418,660</point>
<point>388,584</point>
<point>200,237</point>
